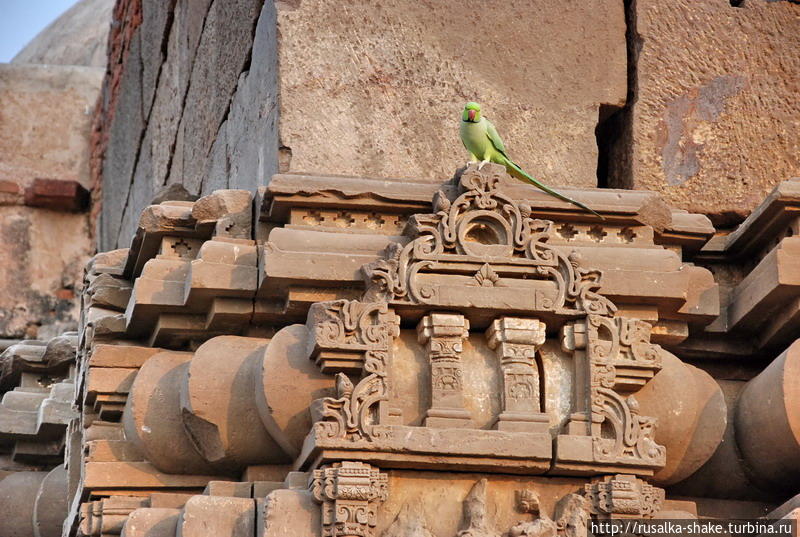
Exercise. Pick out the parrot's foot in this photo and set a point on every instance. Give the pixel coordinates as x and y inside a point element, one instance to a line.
<point>470,162</point>
<point>482,164</point>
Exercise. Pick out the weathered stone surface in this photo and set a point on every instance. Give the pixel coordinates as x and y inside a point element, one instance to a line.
<point>50,508</point>
<point>215,390</point>
<point>77,37</point>
<point>45,124</point>
<point>152,522</point>
<point>17,503</point>
<point>246,150</point>
<point>222,55</point>
<point>403,75</point>
<point>713,127</point>
<point>278,400</point>
<point>768,423</point>
<point>214,120</point>
<point>120,155</point>
<point>289,511</point>
<point>691,430</point>
<point>108,515</point>
<point>43,253</point>
<point>153,419</point>
<point>44,141</point>
<point>218,515</point>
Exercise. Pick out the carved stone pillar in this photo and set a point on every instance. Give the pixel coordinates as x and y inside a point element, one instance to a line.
<point>350,493</point>
<point>623,496</point>
<point>516,341</point>
<point>443,334</point>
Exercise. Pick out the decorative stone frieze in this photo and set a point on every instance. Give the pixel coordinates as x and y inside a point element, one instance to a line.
<point>445,261</point>
<point>348,336</point>
<point>189,370</point>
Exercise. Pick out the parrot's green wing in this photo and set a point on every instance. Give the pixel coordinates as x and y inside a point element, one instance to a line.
<point>497,142</point>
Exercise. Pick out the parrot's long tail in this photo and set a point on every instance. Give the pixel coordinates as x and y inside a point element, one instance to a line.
<point>520,174</point>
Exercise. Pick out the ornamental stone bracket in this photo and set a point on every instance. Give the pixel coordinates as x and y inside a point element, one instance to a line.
<point>613,358</point>
<point>350,493</point>
<point>353,336</point>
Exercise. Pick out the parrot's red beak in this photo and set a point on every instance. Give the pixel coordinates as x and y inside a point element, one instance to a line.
<point>471,115</point>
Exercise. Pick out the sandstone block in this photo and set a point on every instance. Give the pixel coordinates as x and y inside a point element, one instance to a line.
<point>17,503</point>
<point>218,515</point>
<point>43,253</point>
<point>768,423</point>
<point>214,390</point>
<point>405,73</point>
<point>44,129</point>
<point>713,127</point>
<point>690,431</point>
<point>152,522</point>
<point>152,418</point>
<point>287,385</point>
<point>51,505</point>
<point>289,512</point>
<point>138,475</point>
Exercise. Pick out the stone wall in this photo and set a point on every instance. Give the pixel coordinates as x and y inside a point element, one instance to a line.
<point>195,100</point>
<point>463,356</point>
<point>713,122</point>
<point>45,121</point>
<point>210,104</point>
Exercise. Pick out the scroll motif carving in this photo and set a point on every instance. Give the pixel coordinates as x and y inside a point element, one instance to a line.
<point>493,241</point>
<point>623,496</point>
<point>345,330</point>
<point>350,493</point>
<point>347,333</point>
<point>614,358</point>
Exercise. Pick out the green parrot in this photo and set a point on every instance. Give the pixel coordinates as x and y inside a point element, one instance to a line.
<point>484,144</point>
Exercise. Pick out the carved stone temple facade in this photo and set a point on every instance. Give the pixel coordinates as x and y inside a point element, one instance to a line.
<point>342,357</point>
<point>277,337</point>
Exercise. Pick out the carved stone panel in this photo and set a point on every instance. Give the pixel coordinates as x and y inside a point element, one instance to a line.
<point>443,335</point>
<point>613,358</point>
<point>350,493</point>
<point>353,336</point>
<point>345,331</point>
<point>482,249</point>
<point>623,496</point>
